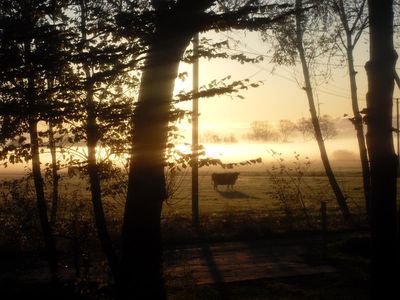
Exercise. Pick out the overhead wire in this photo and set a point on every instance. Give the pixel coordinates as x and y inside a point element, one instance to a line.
<point>331,89</point>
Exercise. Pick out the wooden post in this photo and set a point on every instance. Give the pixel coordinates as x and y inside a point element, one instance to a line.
<point>195,135</point>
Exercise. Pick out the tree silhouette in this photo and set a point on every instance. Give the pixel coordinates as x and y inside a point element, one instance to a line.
<point>314,118</point>
<point>31,53</point>
<point>383,161</point>
<point>327,126</point>
<point>353,21</point>
<point>171,23</point>
<point>298,40</point>
<point>286,129</point>
<point>262,131</point>
<point>99,108</point>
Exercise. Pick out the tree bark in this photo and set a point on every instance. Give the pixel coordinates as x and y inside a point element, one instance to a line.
<point>55,176</point>
<point>41,202</point>
<point>341,200</point>
<point>95,189</point>
<point>383,160</point>
<point>358,125</point>
<point>141,234</point>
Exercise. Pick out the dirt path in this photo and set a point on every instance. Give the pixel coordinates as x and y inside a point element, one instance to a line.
<point>241,261</point>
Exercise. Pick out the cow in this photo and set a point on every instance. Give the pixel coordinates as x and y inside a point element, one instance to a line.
<point>228,179</point>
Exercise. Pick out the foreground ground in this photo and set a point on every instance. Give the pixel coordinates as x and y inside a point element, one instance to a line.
<point>291,267</point>
<point>260,240</point>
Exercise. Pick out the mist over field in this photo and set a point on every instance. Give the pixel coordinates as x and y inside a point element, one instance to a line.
<point>342,151</point>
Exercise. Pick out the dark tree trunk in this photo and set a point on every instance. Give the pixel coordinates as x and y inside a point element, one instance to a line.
<point>54,175</point>
<point>397,80</point>
<point>41,202</point>
<point>47,232</point>
<point>341,200</point>
<point>358,125</point>
<point>141,234</point>
<point>383,161</point>
<point>95,188</point>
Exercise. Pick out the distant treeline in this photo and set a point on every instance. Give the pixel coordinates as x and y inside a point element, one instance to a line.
<point>283,131</point>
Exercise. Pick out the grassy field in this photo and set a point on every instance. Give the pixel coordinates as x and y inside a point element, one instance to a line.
<point>254,191</point>
<point>259,193</point>
<point>260,205</point>
<point>262,202</point>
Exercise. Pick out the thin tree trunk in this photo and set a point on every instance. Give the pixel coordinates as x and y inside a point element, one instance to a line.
<point>314,118</point>
<point>41,202</point>
<point>95,189</point>
<point>48,236</point>
<point>383,160</point>
<point>357,121</point>
<point>141,234</point>
<point>92,139</point>
<point>358,125</point>
<point>55,176</point>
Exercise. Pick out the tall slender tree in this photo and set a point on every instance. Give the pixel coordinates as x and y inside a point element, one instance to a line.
<point>353,21</point>
<point>92,136</point>
<point>306,37</point>
<point>299,42</point>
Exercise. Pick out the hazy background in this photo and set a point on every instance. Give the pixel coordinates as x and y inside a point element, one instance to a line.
<point>278,97</point>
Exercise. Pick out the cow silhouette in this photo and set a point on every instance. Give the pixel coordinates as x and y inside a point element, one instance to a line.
<point>228,179</point>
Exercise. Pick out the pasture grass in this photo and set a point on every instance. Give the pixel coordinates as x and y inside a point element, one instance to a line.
<point>251,209</point>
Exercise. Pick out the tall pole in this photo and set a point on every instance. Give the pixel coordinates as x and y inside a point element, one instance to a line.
<point>195,135</point>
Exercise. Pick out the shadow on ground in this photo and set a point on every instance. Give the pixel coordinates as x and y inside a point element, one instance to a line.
<point>235,195</point>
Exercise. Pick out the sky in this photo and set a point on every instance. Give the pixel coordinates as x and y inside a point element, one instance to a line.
<point>280,95</point>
